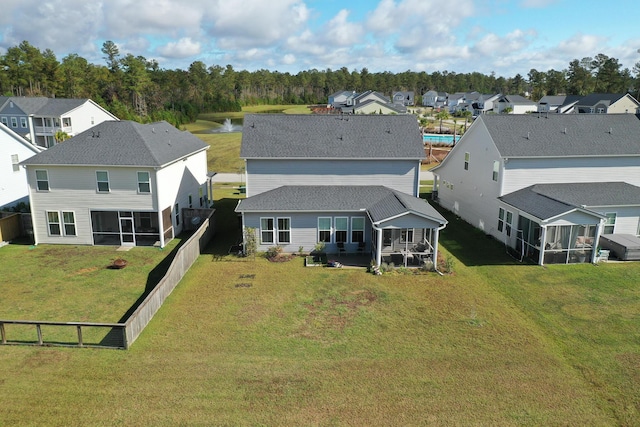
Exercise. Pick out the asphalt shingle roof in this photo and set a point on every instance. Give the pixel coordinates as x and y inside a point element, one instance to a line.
<point>331,137</point>
<point>381,202</point>
<point>546,201</point>
<point>122,143</point>
<point>564,135</point>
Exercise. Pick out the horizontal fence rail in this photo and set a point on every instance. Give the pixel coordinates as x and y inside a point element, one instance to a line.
<point>114,335</point>
<point>119,335</point>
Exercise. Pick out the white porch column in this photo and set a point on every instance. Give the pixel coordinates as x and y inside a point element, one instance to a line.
<point>596,241</point>
<point>543,240</point>
<point>378,246</point>
<point>435,235</point>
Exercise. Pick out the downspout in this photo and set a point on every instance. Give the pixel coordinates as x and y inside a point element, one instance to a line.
<point>435,249</point>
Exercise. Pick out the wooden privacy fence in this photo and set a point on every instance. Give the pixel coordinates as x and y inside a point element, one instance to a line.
<point>118,335</point>
<point>9,227</point>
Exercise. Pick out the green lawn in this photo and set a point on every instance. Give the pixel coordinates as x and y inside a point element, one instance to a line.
<point>224,154</point>
<point>249,342</point>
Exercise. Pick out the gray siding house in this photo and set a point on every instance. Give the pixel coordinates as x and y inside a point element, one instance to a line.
<point>547,185</point>
<point>348,181</point>
<point>120,183</point>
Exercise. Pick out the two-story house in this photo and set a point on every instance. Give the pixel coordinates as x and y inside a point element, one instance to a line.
<point>547,185</point>
<point>434,98</point>
<point>350,182</point>
<point>405,98</point>
<point>38,119</point>
<point>119,183</point>
<point>13,178</point>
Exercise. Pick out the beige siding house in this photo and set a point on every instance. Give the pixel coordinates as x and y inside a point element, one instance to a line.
<point>120,183</point>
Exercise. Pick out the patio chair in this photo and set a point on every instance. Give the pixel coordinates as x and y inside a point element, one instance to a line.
<point>341,249</point>
<point>361,246</point>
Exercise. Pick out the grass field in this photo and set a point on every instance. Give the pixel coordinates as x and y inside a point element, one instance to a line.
<point>224,154</point>
<point>244,341</point>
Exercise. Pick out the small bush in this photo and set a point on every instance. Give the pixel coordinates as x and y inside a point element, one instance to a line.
<point>448,264</point>
<point>273,251</point>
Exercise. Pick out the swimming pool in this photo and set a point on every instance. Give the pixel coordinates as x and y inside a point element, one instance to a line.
<point>443,139</point>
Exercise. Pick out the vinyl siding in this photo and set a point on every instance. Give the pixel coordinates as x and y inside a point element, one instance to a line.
<point>627,218</point>
<point>265,175</point>
<point>180,179</point>
<point>75,189</point>
<point>13,184</point>
<point>471,194</point>
<point>304,229</point>
<point>521,173</point>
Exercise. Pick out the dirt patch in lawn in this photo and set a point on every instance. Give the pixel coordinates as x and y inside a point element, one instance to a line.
<point>334,313</point>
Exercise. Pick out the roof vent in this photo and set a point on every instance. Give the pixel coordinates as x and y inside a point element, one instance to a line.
<point>565,131</point>
<point>528,135</point>
<point>610,131</point>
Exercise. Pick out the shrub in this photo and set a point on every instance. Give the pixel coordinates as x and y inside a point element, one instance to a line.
<point>274,251</point>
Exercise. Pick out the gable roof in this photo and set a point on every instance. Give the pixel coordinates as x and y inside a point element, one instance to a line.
<point>546,201</point>
<point>17,139</point>
<point>122,143</point>
<point>563,135</point>
<point>42,106</point>
<point>516,100</point>
<point>381,203</point>
<point>397,108</point>
<point>314,136</point>
<point>605,98</point>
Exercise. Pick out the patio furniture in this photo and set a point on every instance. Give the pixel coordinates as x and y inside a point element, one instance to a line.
<point>341,249</point>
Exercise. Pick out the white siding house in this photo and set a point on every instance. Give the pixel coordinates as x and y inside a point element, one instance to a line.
<point>487,178</point>
<point>120,183</point>
<point>37,119</point>
<point>13,178</point>
<point>351,182</point>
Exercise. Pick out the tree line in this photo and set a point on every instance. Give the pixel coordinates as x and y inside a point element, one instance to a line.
<point>135,88</point>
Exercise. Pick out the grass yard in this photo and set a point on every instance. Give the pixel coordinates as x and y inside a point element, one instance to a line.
<point>224,154</point>
<point>247,342</point>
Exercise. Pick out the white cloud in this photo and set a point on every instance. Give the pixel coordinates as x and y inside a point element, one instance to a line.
<point>183,48</point>
<point>340,32</point>
<point>289,59</point>
<point>581,44</point>
<point>124,18</point>
<point>255,22</point>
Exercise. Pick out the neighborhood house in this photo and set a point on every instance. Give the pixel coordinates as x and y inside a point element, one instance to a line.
<point>119,183</point>
<point>553,187</point>
<point>349,182</point>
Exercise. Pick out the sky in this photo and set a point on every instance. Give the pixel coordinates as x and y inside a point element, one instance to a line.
<point>505,37</point>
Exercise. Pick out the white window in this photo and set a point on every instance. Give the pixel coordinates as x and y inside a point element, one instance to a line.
<point>23,122</point>
<point>496,170</point>
<point>500,219</point>
<point>467,157</point>
<point>266,230</point>
<point>406,235</point>
<point>66,121</point>
<point>509,222</point>
<point>324,229</point>
<point>102,178</point>
<point>42,180</point>
<point>284,230</point>
<point>177,212</point>
<point>190,201</point>
<point>342,229</point>
<point>357,229</point>
<point>14,122</point>
<point>610,223</point>
<point>53,222</point>
<point>144,183</point>
<point>15,162</point>
<point>4,121</point>
<point>69,223</point>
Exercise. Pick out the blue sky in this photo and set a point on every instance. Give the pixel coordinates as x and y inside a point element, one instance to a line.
<point>502,36</point>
